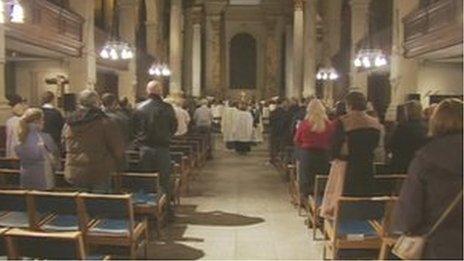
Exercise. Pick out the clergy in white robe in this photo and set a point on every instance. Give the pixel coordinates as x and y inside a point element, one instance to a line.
<point>228,123</point>
<point>243,131</point>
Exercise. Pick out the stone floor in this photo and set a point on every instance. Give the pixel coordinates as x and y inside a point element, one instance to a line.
<point>238,208</point>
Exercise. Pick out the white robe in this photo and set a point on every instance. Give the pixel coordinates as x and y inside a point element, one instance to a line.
<point>228,123</point>
<point>243,128</point>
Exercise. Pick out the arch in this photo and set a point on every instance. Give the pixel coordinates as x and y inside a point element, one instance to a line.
<point>243,58</point>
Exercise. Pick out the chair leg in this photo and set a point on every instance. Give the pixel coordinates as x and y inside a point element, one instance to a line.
<point>133,250</point>
<point>147,240</point>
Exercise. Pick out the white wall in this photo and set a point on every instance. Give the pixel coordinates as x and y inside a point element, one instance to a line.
<point>30,78</point>
<point>439,78</point>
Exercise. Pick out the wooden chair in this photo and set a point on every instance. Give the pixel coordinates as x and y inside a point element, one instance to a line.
<point>353,227</point>
<point>108,219</point>
<point>3,243</point>
<point>314,201</point>
<point>292,180</point>
<point>52,246</point>
<point>9,178</point>
<point>14,209</point>
<point>60,209</point>
<point>147,198</point>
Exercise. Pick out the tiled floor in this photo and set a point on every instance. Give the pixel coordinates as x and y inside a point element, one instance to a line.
<point>238,208</point>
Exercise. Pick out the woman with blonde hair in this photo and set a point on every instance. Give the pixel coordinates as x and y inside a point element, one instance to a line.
<point>433,183</point>
<point>37,152</point>
<point>313,140</point>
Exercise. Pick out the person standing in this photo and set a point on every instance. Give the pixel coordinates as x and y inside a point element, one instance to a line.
<point>434,180</point>
<point>408,137</point>
<point>182,115</point>
<point>38,153</point>
<point>156,123</point>
<point>53,120</point>
<point>203,118</point>
<point>94,146</point>
<point>111,109</point>
<point>313,139</point>
<point>355,139</point>
<point>243,130</point>
<point>18,106</point>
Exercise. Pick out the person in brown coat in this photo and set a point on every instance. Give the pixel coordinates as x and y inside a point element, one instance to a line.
<point>94,146</point>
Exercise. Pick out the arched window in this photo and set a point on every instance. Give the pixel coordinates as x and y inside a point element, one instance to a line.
<point>243,58</point>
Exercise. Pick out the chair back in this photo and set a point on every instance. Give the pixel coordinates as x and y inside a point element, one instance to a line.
<point>13,200</point>
<point>389,184</point>
<point>47,203</point>
<point>138,182</point>
<point>352,208</point>
<point>41,245</point>
<point>105,206</point>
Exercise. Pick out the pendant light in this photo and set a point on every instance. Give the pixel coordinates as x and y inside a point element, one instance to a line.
<point>11,11</point>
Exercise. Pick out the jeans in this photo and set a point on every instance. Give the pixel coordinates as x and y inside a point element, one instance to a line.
<point>312,162</point>
<point>158,159</point>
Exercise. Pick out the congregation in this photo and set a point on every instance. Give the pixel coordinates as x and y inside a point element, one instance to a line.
<point>348,139</point>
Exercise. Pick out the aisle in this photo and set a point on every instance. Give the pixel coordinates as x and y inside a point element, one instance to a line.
<point>238,209</point>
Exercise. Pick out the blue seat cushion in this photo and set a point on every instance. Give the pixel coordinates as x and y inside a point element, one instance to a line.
<point>95,257</point>
<point>116,227</point>
<point>142,198</point>
<point>15,219</point>
<point>62,223</point>
<point>354,228</point>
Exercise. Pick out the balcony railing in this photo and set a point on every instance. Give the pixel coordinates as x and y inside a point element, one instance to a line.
<point>433,27</point>
<point>49,26</point>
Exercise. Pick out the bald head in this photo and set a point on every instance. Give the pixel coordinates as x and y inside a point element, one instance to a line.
<point>155,88</point>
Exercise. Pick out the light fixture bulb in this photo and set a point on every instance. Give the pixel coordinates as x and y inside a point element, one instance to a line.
<point>113,54</point>
<point>325,76</point>
<point>366,62</point>
<point>104,53</point>
<point>319,76</point>
<point>357,62</point>
<point>17,15</point>
<point>333,76</point>
<point>166,71</point>
<point>380,61</point>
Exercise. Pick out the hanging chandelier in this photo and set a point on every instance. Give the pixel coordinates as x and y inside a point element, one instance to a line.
<point>115,49</point>
<point>327,74</point>
<point>11,11</point>
<point>159,70</point>
<point>370,58</point>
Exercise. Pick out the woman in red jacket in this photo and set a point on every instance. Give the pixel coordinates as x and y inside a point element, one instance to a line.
<point>313,140</point>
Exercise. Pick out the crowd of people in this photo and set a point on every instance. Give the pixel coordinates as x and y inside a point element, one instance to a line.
<point>425,144</point>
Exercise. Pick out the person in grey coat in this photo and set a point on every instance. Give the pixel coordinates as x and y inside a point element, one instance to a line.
<point>37,152</point>
<point>434,180</point>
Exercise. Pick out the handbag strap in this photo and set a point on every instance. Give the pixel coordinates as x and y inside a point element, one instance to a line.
<point>445,213</point>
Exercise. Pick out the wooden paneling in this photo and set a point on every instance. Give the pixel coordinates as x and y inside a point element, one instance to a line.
<point>433,27</point>
<point>49,26</point>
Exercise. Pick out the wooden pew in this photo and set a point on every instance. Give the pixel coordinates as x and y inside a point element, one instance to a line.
<point>42,245</point>
<point>109,220</point>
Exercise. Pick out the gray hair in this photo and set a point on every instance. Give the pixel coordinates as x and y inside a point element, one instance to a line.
<point>89,98</point>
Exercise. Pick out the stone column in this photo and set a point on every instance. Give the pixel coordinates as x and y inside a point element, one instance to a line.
<point>82,70</point>
<point>196,60</point>
<point>273,56</point>
<point>403,72</point>
<point>289,61</point>
<point>310,41</point>
<point>298,20</point>
<point>154,23</point>
<point>331,12</point>
<point>175,46</point>
<point>213,54</point>
<point>359,29</point>
<point>127,81</point>
<point>4,108</point>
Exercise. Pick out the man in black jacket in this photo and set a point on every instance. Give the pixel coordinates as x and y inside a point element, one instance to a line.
<point>53,120</point>
<point>156,123</point>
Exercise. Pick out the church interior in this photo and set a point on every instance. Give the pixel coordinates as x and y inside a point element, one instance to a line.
<point>219,129</point>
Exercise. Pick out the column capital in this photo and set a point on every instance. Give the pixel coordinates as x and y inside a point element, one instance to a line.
<point>360,3</point>
<point>298,4</point>
<point>214,8</point>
